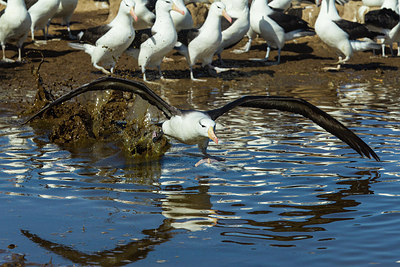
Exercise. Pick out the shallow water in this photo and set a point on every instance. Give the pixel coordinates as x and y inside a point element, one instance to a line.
<point>288,193</point>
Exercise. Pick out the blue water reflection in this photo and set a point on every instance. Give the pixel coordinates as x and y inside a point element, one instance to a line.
<point>286,193</point>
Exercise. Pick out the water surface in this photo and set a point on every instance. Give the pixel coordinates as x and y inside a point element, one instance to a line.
<point>287,193</point>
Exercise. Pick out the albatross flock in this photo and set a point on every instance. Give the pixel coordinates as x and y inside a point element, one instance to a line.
<point>148,30</point>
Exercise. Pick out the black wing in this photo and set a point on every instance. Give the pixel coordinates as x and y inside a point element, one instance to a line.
<point>382,18</point>
<point>30,3</point>
<point>187,35</point>
<point>289,22</point>
<point>107,83</point>
<point>226,24</point>
<point>140,37</point>
<point>355,30</point>
<point>151,5</point>
<point>306,109</point>
<point>91,35</point>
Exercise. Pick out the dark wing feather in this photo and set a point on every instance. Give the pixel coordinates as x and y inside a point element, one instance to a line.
<point>140,37</point>
<point>382,18</point>
<point>289,22</point>
<point>355,30</point>
<point>91,35</point>
<point>226,24</point>
<point>107,83</point>
<point>306,109</point>
<point>30,3</point>
<point>187,35</point>
<point>151,5</point>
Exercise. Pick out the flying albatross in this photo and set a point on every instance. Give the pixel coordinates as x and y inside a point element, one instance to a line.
<point>198,127</point>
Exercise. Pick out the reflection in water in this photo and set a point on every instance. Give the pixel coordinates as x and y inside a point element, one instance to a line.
<point>120,255</point>
<point>188,208</point>
<point>285,189</point>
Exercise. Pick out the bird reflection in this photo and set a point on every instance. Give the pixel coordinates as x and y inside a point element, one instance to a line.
<point>184,208</point>
<point>120,255</point>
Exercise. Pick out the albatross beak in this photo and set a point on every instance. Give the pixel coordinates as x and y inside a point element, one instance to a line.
<point>228,18</point>
<point>132,12</point>
<point>212,135</point>
<point>177,9</point>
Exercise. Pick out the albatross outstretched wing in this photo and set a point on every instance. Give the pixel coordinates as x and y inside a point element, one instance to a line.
<point>306,109</point>
<point>108,83</point>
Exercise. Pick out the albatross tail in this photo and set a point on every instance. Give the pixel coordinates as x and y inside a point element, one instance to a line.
<point>88,48</point>
<point>366,44</point>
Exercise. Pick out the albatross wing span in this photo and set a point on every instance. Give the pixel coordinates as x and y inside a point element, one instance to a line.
<point>306,109</point>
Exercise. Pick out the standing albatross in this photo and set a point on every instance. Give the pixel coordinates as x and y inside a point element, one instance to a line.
<point>276,27</point>
<point>197,127</point>
<point>343,35</point>
<point>201,44</point>
<point>106,43</point>
<point>160,43</point>
<point>15,23</point>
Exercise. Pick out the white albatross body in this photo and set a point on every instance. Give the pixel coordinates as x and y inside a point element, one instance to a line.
<point>239,10</point>
<point>385,21</point>
<point>328,30</point>
<point>183,129</point>
<point>276,27</point>
<point>146,18</point>
<point>182,22</point>
<point>205,44</point>
<point>163,40</point>
<point>110,46</point>
<point>14,26</point>
<point>64,11</point>
<point>41,12</point>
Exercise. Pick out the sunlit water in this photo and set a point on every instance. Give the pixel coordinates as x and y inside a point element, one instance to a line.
<point>288,193</point>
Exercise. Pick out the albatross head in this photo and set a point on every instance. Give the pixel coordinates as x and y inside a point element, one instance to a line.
<point>220,9</point>
<point>168,5</point>
<point>129,5</point>
<point>206,127</point>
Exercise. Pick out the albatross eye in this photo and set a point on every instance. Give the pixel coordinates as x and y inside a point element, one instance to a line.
<point>202,125</point>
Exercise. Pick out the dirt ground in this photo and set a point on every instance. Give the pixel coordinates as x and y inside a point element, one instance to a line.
<point>302,63</point>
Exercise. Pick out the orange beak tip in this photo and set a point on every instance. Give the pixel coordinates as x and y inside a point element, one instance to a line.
<point>132,12</point>
<point>177,9</point>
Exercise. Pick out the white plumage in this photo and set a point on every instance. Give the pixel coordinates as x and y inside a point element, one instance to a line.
<point>164,37</point>
<point>118,37</point>
<point>206,39</point>
<point>276,27</point>
<point>65,10</point>
<point>239,10</point>
<point>15,23</point>
<point>182,22</point>
<point>345,36</point>
<point>146,18</point>
<point>386,21</point>
<point>40,13</point>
